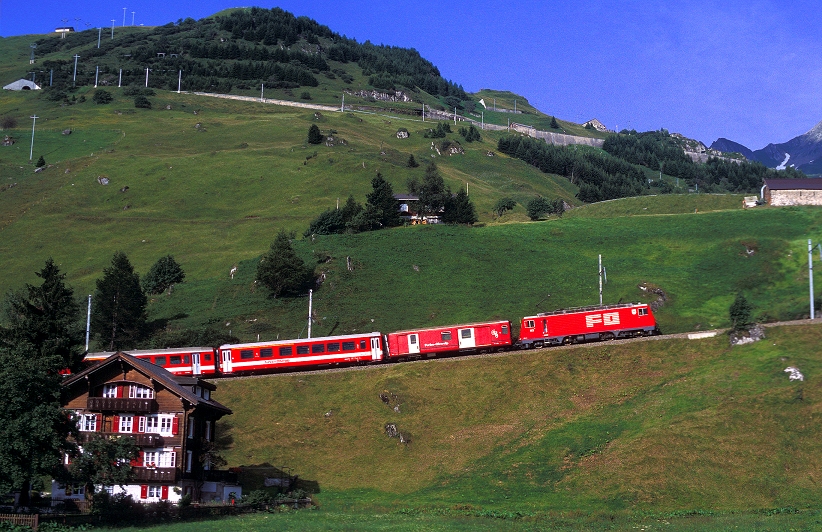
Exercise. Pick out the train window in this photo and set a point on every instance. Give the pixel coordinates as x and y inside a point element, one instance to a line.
<point>303,349</point>
<point>285,351</point>
<point>643,311</point>
<point>207,357</point>
<point>160,361</point>
<point>529,324</point>
<point>412,339</point>
<point>445,335</point>
<point>174,360</point>
<point>362,344</point>
<point>246,354</point>
<point>465,333</point>
<point>266,352</point>
<point>504,329</point>
<point>333,347</point>
<point>349,346</point>
<point>318,348</point>
<point>186,359</point>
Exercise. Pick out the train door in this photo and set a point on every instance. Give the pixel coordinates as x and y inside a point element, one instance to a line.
<point>376,352</point>
<point>467,339</point>
<point>413,344</point>
<point>226,361</point>
<point>195,364</point>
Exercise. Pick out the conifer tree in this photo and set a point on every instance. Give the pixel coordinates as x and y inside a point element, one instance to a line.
<point>282,271</point>
<point>118,314</point>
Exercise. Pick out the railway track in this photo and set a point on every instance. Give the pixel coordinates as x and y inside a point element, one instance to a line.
<point>470,356</point>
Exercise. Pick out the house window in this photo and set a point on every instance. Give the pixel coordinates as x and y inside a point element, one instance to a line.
<point>160,459</point>
<point>189,460</point>
<point>152,424</point>
<point>445,335</point>
<point>166,424</point>
<point>88,423</point>
<point>208,430</point>
<point>150,458</point>
<point>137,391</point>
<point>191,428</point>
<point>126,423</point>
<point>154,492</point>
<point>141,424</point>
<point>109,390</point>
<point>207,394</point>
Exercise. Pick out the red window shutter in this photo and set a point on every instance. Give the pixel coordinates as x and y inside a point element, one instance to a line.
<point>99,422</point>
<point>115,424</point>
<point>144,492</point>
<point>140,459</point>
<point>141,424</point>
<point>175,425</point>
<point>164,494</point>
<point>119,391</point>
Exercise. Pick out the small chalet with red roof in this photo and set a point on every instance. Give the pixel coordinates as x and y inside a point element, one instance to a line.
<point>171,418</point>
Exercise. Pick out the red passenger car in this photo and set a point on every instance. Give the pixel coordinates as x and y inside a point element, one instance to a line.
<point>301,353</point>
<point>588,323</point>
<point>451,338</point>
<point>179,361</point>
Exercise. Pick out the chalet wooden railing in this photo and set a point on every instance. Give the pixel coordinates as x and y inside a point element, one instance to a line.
<point>31,521</point>
<point>116,404</point>
<point>158,474</point>
<point>143,440</point>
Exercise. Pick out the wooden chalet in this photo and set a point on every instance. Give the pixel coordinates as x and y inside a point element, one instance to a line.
<point>171,418</point>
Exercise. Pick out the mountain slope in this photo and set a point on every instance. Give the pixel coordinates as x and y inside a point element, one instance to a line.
<point>803,152</point>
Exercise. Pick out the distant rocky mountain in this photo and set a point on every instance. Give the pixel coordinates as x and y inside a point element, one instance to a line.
<point>729,146</point>
<point>803,152</point>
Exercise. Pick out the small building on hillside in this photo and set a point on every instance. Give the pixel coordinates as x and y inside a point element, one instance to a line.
<point>171,418</point>
<point>409,210</point>
<point>22,85</point>
<point>787,192</point>
<point>595,124</point>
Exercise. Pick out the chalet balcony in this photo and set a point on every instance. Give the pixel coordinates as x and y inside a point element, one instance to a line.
<point>157,474</point>
<point>116,404</point>
<point>143,440</point>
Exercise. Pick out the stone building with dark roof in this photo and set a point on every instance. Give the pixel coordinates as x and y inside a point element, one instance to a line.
<point>787,192</point>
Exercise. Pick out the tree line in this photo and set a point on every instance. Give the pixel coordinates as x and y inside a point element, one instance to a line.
<point>659,151</point>
<point>598,175</point>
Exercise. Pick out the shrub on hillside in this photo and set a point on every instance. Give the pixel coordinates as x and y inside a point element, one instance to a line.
<point>162,275</point>
<point>102,97</point>
<point>142,102</point>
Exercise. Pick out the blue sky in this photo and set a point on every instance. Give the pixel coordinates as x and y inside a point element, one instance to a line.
<point>748,71</point>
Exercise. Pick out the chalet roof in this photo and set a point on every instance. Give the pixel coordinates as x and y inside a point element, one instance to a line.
<point>406,197</point>
<point>813,183</point>
<point>173,384</point>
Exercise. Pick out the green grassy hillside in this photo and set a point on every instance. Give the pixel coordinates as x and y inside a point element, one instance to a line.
<point>649,427</point>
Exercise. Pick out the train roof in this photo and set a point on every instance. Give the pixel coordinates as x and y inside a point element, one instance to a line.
<point>460,325</point>
<point>294,340</point>
<point>575,310</point>
<point>102,355</point>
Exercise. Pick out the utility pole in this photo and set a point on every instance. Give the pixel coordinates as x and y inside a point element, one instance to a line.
<point>810,276</point>
<point>310,304</point>
<point>112,29</point>
<point>74,79</point>
<point>33,121</point>
<point>147,71</point>
<point>96,76</point>
<point>179,81</point>
<point>132,18</point>
<point>99,34</point>
<point>120,81</point>
<point>88,321</point>
<point>124,17</point>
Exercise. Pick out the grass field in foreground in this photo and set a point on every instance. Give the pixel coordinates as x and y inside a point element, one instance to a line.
<point>321,520</point>
<point>634,428</point>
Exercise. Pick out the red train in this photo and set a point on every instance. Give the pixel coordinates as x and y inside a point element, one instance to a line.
<point>550,328</point>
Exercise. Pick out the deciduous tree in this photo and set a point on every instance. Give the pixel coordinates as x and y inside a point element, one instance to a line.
<point>104,462</point>
<point>162,274</point>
